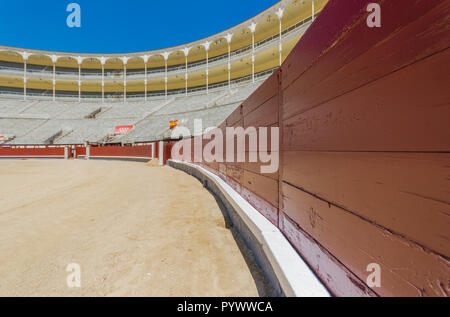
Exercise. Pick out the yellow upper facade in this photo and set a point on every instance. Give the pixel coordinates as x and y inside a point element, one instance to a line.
<point>242,52</point>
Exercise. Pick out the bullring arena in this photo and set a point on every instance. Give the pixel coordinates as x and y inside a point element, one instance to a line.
<point>131,236</point>
<point>101,193</point>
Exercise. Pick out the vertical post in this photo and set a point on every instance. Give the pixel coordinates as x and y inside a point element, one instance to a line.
<point>102,60</point>
<point>186,53</point>
<point>207,66</point>
<point>54,77</point>
<point>145,75</point>
<point>125,59</point>
<point>281,47</point>
<point>281,134</point>
<point>25,58</point>
<point>313,10</point>
<point>161,153</point>
<point>252,29</point>
<point>66,153</point>
<point>166,56</point>
<point>153,150</point>
<point>280,17</point>
<point>228,37</point>
<point>79,78</point>
<point>88,152</point>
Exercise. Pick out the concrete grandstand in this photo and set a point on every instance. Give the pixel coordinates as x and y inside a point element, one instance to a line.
<point>74,99</point>
<point>240,54</point>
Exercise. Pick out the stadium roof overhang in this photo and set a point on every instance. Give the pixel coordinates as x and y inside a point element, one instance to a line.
<point>264,25</point>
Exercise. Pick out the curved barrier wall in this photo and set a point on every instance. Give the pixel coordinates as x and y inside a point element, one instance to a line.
<point>32,152</point>
<point>364,151</point>
<point>140,152</point>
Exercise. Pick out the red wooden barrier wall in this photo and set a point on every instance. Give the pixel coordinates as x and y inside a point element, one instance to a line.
<point>143,151</point>
<point>365,148</point>
<point>30,152</point>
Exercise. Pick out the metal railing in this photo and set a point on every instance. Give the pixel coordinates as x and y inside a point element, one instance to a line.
<point>111,75</point>
<point>118,96</point>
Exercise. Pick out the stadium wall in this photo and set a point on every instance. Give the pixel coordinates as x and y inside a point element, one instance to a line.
<point>365,148</point>
<point>24,152</point>
<point>140,152</point>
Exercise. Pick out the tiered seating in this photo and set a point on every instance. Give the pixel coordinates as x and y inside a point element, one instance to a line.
<point>18,127</point>
<point>38,122</point>
<point>240,94</point>
<point>79,111</point>
<point>131,110</point>
<point>10,108</point>
<point>190,103</point>
<point>45,109</point>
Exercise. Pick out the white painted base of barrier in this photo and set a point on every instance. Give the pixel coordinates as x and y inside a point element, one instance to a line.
<point>116,157</point>
<point>295,277</point>
<point>31,156</point>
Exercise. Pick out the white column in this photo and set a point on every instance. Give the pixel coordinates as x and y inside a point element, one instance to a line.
<point>79,78</point>
<point>280,17</point>
<point>125,59</point>
<point>102,60</point>
<point>313,9</point>
<point>207,44</point>
<point>166,56</point>
<point>145,75</point>
<point>161,152</point>
<point>252,29</point>
<point>186,54</point>
<point>54,77</point>
<point>228,37</point>
<point>25,58</point>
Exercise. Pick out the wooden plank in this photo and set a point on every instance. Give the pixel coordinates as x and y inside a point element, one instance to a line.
<point>264,92</point>
<point>407,193</point>
<point>322,34</point>
<point>235,172</point>
<point>233,175</point>
<point>265,146</point>
<point>339,279</point>
<point>358,58</point>
<point>256,168</point>
<point>262,193</point>
<point>405,111</point>
<point>406,269</point>
<point>237,123</point>
<point>265,187</point>
<point>261,205</point>
<point>212,166</point>
<point>212,146</point>
<point>235,117</point>
<point>264,115</point>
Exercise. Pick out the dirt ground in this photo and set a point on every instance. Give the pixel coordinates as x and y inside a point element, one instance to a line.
<point>134,230</point>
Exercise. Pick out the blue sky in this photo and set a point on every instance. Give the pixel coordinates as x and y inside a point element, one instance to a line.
<point>113,26</point>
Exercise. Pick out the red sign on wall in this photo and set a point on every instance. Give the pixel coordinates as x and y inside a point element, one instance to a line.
<point>124,129</point>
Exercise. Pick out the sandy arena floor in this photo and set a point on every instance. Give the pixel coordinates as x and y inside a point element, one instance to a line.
<point>134,230</point>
